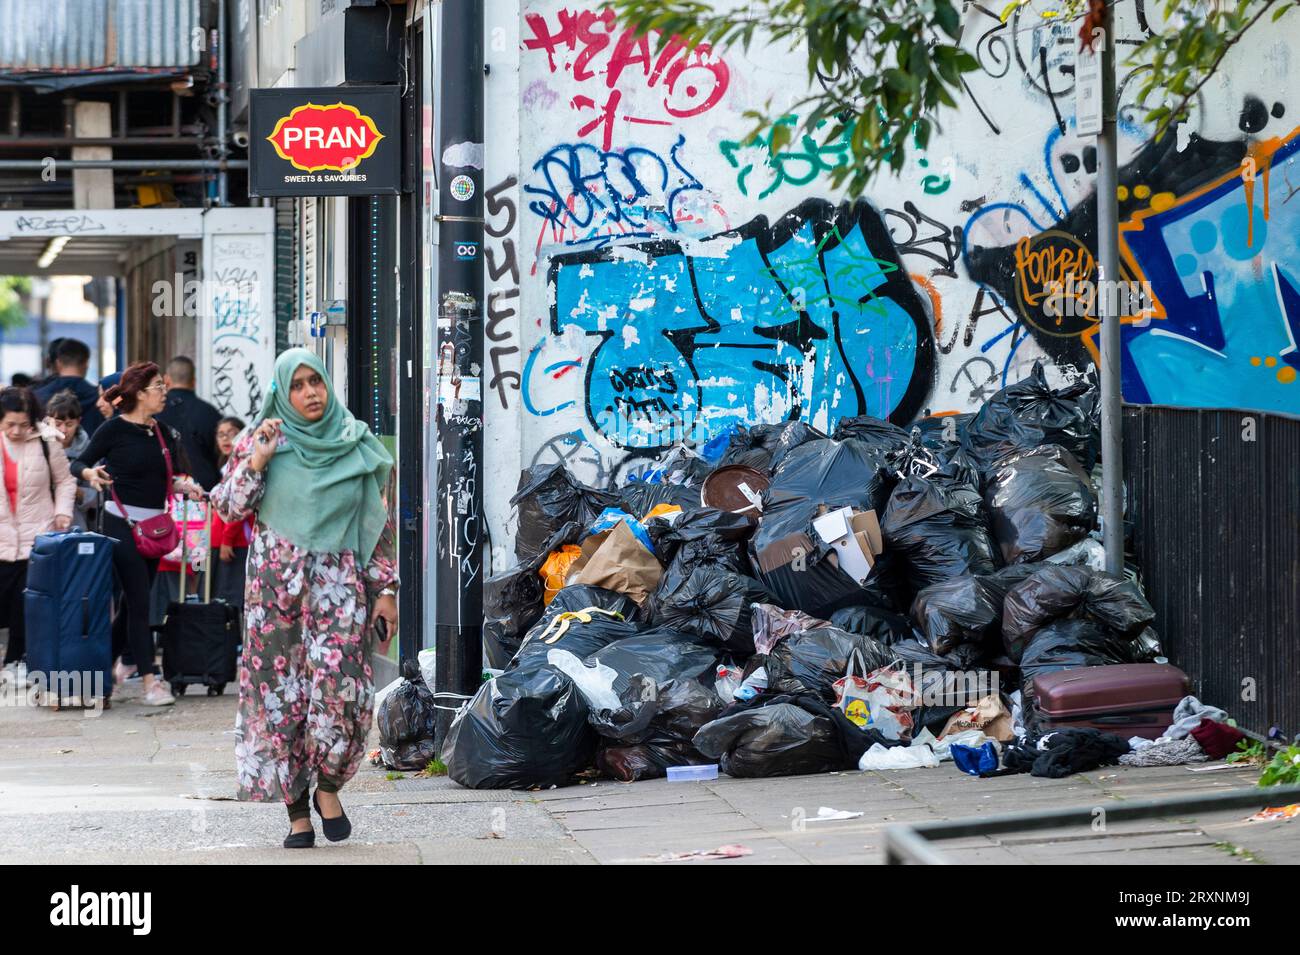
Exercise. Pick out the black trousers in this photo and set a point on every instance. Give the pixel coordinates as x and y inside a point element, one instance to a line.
<point>135,574</point>
<point>13,581</point>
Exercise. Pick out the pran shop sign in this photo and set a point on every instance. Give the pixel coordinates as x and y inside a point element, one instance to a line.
<point>324,142</point>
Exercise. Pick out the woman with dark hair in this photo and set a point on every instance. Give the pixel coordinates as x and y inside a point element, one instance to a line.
<point>39,494</point>
<point>141,460</point>
<point>229,540</point>
<point>321,575</point>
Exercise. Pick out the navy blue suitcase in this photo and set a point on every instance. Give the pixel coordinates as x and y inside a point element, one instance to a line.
<point>68,606</point>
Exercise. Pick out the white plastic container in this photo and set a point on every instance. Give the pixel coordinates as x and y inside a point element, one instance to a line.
<point>691,774</point>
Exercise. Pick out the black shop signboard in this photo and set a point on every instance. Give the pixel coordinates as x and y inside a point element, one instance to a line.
<point>331,141</point>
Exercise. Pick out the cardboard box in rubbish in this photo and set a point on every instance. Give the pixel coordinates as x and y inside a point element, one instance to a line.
<point>854,537</point>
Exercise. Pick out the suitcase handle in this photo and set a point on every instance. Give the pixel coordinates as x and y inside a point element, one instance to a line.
<point>85,617</point>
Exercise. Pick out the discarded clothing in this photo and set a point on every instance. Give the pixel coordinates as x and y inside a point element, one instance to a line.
<point>1063,753</point>
<point>1187,716</point>
<point>1217,739</point>
<point>1171,752</point>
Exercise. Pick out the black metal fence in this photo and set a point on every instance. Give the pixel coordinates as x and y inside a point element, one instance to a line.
<point>1213,498</point>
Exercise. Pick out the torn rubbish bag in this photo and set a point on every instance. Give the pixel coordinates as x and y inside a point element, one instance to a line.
<point>1039,502</point>
<point>548,498</point>
<point>802,734</point>
<point>406,719</point>
<point>794,561</point>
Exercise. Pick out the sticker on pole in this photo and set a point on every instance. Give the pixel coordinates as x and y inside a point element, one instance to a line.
<point>1087,91</point>
<point>462,188</point>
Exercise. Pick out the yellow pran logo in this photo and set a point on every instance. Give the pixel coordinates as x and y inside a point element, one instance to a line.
<point>313,137</point>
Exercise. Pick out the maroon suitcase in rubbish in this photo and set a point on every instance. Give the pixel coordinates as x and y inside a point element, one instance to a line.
<point>1127,699</point>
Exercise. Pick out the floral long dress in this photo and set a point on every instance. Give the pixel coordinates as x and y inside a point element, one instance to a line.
<point>306,689</point>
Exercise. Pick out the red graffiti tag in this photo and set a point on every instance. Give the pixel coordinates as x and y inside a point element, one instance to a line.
<point>692,79</point>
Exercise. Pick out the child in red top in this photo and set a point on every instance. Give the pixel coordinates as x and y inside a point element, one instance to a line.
<point>229,540</point>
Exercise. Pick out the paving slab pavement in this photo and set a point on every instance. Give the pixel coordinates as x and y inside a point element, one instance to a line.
<point>149,786</point>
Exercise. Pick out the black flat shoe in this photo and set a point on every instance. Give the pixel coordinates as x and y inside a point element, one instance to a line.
<point>336,829</point>
<point>300,840</point>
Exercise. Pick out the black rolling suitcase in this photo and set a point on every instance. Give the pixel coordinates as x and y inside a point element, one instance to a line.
<point>200,640</point>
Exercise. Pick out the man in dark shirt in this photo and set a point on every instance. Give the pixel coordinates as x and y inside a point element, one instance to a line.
<point>70,364</point>
<point>195,419</point>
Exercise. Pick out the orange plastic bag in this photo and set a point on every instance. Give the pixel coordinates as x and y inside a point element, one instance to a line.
<point>556,568</point>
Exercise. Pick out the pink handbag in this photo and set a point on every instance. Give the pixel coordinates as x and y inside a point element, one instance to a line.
<point>155,536</point>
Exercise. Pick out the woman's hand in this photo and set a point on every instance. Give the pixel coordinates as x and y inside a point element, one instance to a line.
<point>62,522</point>
<point>265,440</point>
<point>98,478</point>
<point>386,608</point>
<point>227,553</point>
<point>191,489</point>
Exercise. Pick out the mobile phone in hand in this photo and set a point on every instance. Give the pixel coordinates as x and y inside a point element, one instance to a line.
<point>381,629</point>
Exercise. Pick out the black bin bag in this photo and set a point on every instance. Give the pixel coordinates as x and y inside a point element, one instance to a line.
<point>529,726</point>
<point>882,435</point>
<point>1031,413</point>
<point>581,630</point>
<point>763,446</point>
<point>873,620</point>
<point>937,527</point>
<point>655,729</point>
<point>406,720</point>
<point>711,603</point>
<point>513,599</point>
<point>659,654</point>
<point>781,739</point>
<point>704,537</point>
<point>790,559</point>
<point>1039,503</point>
<point>548,498</point>
<point>810,661</point>
<point>965,610</point>
<point>526,728</point>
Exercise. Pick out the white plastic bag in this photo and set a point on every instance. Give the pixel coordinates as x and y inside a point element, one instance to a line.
<point>595,683</point>
<point>727,682</point>
<point>427,668</point>
<point>897,757</point>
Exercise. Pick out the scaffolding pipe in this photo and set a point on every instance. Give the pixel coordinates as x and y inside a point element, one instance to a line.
<point>209,164</point>
<point>223,132</point>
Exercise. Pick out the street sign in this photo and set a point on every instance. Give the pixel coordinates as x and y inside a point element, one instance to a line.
<point>1087,91</point>
<point>330,141</point>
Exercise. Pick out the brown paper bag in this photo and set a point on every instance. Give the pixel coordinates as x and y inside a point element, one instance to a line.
<point>616,560</point>
<point>989,715</point>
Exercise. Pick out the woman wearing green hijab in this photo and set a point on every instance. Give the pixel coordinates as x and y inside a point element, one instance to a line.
<point>321,572</point>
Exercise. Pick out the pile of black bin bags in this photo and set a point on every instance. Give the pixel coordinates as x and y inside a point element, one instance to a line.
<point>987,564</point>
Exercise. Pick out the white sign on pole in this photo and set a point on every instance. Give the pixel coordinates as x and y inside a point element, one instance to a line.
<point>1087,91</point>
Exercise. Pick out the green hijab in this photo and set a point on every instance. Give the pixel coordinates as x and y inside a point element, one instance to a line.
<point>323,484</point>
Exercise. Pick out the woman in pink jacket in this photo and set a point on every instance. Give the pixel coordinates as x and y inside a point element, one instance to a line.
<point>38,496</point>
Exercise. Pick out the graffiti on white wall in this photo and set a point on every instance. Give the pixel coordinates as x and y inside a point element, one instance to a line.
<point>662,270</point>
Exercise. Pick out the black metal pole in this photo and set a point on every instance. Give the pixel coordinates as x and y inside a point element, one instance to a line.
<point>459,358</point>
